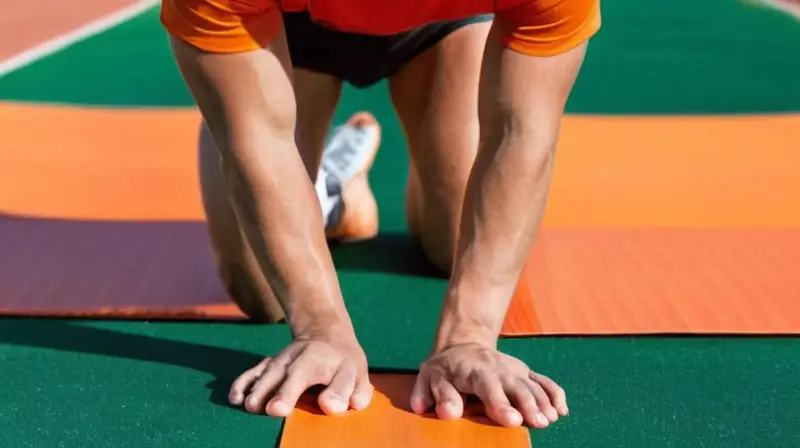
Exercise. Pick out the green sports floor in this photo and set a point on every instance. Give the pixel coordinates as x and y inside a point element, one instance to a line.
<point>94,383</point>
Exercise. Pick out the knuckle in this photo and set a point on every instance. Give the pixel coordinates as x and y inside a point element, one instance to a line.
<point>475,377</point>
<point>537,389</point>
<point>293,368</point>
<point>279,362</point>
<point>527,400</point>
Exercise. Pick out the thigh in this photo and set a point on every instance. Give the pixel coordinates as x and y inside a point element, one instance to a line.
<point>317,96</point>
<point>233,91</point>
<point>238,269</point>
<point>436,99</point>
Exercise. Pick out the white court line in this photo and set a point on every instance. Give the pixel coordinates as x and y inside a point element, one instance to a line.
<point>793,9</point>
<point>63,41</point>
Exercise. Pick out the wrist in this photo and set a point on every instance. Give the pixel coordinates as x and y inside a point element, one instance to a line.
<point>468,320</point>
<point>321,323</point>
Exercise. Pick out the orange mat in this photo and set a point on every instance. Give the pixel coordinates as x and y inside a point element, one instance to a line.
<point>388,422</point>
<point>610,171</point>
<point>660,281</point>
<point>654,224</point>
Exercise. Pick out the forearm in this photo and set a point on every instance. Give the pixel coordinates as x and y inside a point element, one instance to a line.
<point>504,204</point>
<point>279,213</point>
<point>247,101</point>
<point>521,106</point>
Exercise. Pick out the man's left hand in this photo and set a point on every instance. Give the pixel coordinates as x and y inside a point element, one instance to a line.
<point>511,392</point>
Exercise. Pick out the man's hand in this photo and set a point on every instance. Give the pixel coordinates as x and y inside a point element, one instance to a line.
<point>276,383</point>
<point>511,392</point>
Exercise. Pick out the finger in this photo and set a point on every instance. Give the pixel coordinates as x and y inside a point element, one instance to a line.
<point>557,395</point>
<point>299,377</point>
<point>242,384</point>
<point>421,399</point>
<point>449,404</point>
<point>362,395</point>
<point>520,392</point>
<point>335,399</point>
<point>490,390</point>
<point>542,401</point>
<point>265,386</point>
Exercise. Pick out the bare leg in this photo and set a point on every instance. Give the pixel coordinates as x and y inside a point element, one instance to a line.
<point>317,96</point>
<point>237,266</point>
<point>440,120</point>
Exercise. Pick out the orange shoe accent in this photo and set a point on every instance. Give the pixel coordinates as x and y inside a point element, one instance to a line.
<point>360,218</point>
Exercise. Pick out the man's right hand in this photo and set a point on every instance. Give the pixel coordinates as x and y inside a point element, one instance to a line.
<point>275,384</point>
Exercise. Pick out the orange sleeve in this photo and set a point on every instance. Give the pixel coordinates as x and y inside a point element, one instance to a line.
<point>548,27</point>
<point>223,26</point>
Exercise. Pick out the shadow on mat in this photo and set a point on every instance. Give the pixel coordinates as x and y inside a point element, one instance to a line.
<point>222,363</point>
<point>393,253</point>
<point>38,250</point>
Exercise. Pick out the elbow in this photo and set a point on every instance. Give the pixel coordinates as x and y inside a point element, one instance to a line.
<point>522,149</point>
<point>536,158</point>
<point>534,140</point>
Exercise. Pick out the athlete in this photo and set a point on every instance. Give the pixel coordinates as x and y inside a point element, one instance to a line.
<point>503,107</point>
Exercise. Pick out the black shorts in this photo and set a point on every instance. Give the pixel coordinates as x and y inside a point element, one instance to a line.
<point>361,60</point>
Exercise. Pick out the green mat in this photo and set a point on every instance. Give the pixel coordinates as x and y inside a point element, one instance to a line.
<point>99,384</point>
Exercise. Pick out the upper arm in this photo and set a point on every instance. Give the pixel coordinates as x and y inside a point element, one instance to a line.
<point>532,60</point>
<point>524,89</point>
<point>234,58</point>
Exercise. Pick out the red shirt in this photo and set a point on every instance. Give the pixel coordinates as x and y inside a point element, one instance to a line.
<point>536,27</point>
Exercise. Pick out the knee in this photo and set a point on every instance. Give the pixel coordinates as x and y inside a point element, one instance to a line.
<point>439,252</point>
<point>433,213</point>
<point>438,231</point>
<point>436,225</point>
<point>244,290</point>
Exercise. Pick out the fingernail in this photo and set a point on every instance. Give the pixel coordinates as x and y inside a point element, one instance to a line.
<point>450,409</point>
<point>513,417</point>
<point>359,402</point>
<point>542,420</point>
<point>337,405</point>
<point>279,407</point>
<point>338,408</point>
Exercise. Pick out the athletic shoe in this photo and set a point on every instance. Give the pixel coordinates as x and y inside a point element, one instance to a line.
<point>345,166</point>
